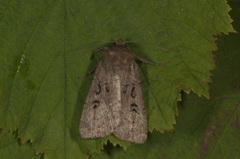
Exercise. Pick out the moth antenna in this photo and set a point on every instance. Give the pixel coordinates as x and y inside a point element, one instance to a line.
<point>91,46</point>
<point>89,73</point>
<point>98,50</point>
<point>146,44</point>
<point>149,62</point>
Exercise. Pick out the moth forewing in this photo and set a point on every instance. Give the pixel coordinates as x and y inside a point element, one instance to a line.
<point>97,119</point>
<point>114,104</point>
<point>133,125</point>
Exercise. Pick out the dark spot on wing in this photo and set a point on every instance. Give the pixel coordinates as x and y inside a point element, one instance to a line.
<point>99,89</point>
<point>125,88</point>
<point>134,108</point>
<point>96,104</point>
<point>106,87</point>
<point>133,93</point>
<point>134,105</point>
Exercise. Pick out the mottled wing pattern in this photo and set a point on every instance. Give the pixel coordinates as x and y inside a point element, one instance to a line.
<point>133,124</point>
<point>97,117</point>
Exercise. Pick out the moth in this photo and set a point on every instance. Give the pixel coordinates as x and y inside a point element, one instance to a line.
<point>114,104</point>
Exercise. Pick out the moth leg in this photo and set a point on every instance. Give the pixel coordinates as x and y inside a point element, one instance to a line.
<point>89,73</point>
<point>149,62</point>
<point>98,50</point>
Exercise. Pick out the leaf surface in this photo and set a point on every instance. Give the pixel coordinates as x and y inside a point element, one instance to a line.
<point>40,94</point>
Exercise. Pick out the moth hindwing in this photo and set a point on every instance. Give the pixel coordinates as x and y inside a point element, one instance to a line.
<point>114,103</point>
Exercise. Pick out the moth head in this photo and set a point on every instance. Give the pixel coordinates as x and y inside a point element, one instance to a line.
<point>120,42</point>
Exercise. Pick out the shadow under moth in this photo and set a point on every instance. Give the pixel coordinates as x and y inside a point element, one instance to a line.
<point>114,104</point>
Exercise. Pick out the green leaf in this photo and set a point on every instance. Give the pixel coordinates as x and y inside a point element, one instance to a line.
<point>10,149</point>
<point>40,94</point>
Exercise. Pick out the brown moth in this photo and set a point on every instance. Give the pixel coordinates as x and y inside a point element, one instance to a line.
<point>114,103</point>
